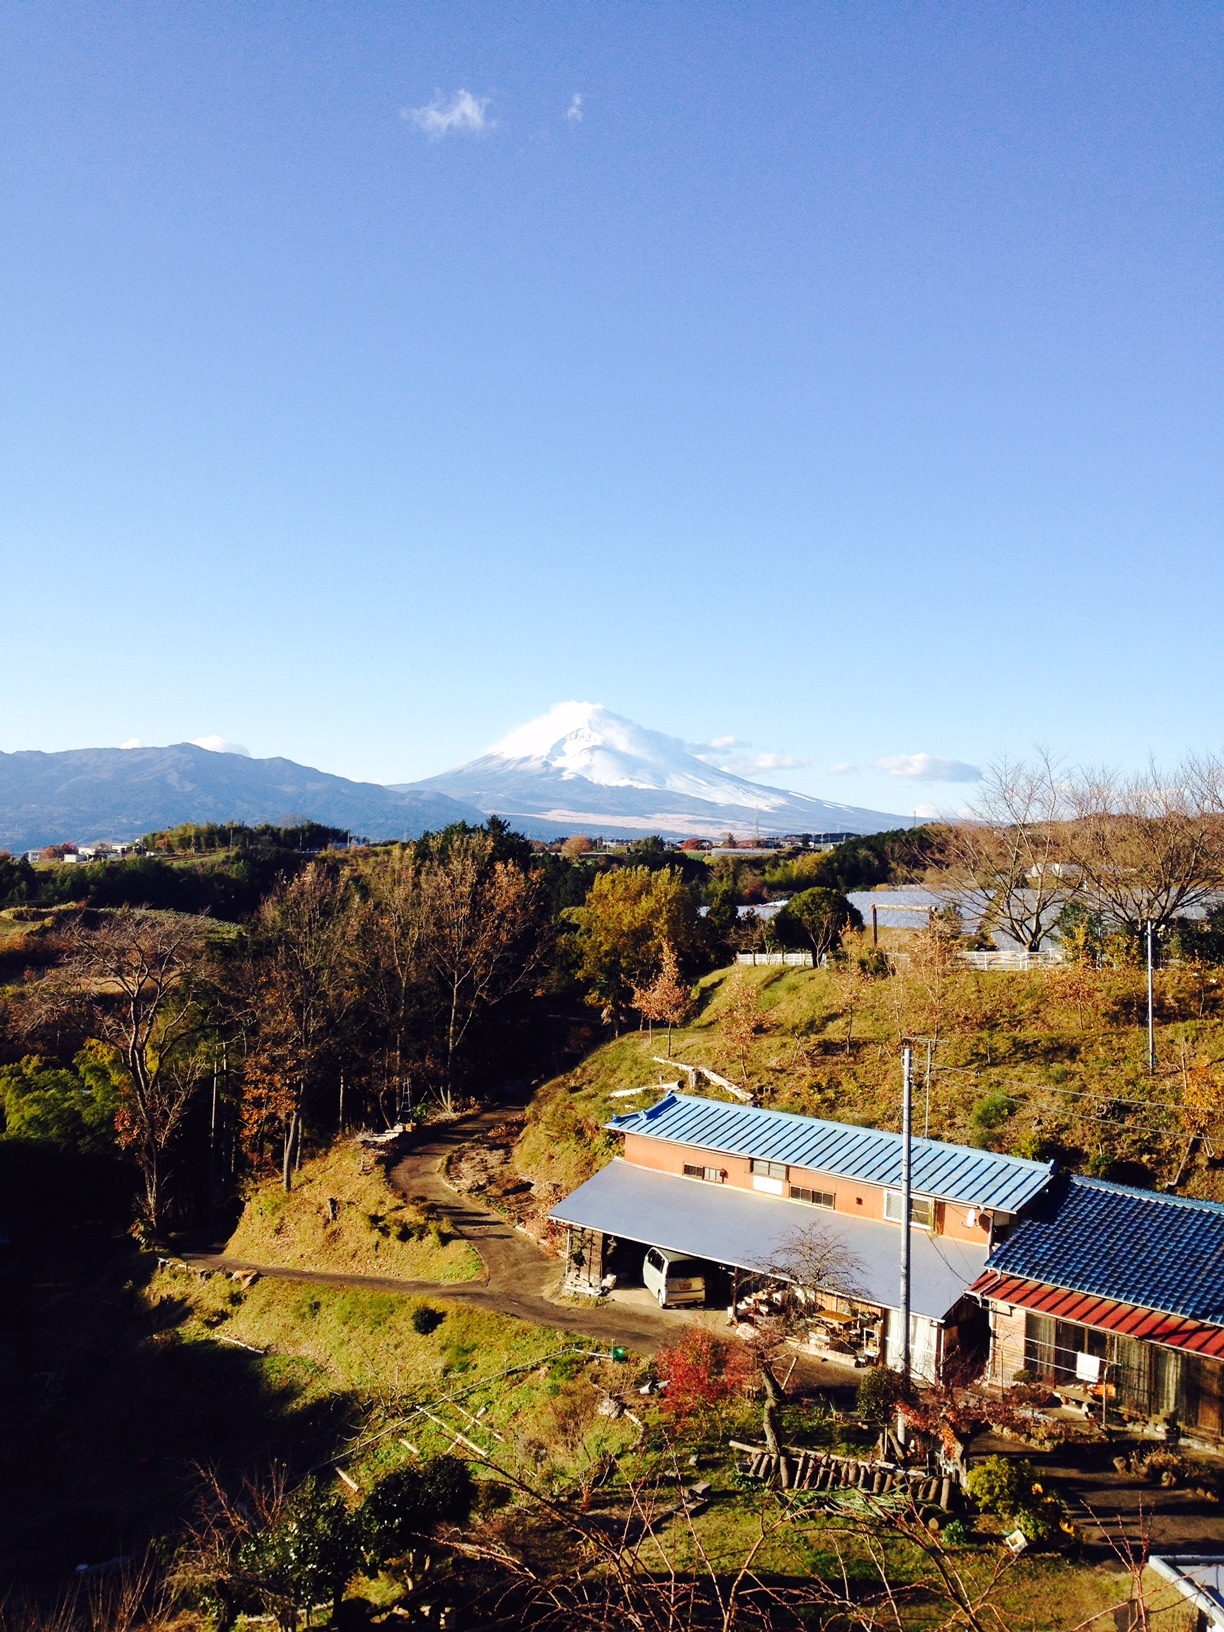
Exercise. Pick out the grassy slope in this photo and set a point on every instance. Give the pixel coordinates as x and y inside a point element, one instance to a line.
<point>373,1234</point>
<point>1065,1048</point>
<point>326,1344</point>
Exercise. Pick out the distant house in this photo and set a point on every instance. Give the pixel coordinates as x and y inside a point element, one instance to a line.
<point>1109,1292</point>
<point>729,1184</point>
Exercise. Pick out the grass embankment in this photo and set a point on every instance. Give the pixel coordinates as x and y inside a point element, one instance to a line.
<point>375,1351</point>
<point>1048,1063</point>
<point>338,1218</point>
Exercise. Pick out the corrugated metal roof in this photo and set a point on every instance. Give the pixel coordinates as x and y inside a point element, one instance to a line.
<point>977,1178</point>
<point>1140,1247</point>
<point>728,1226</point>
<point>1106,1314</point>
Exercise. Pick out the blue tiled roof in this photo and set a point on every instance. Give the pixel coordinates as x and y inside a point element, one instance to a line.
<point>976,1178</point>
<point>1158,1251</point>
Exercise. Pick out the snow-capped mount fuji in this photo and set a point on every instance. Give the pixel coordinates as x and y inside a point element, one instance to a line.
<point>582,769</point>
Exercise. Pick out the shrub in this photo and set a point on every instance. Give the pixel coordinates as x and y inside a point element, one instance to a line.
<point>999,1485</point>
<point>408,1502</point>
<point>957,1532</point>
<point>879,1390</point>
<point>311,1551</point>
<point>993,1110</point>
<point>426,1320</point>
<point>1038,1519</point>
<point>701,1372</point>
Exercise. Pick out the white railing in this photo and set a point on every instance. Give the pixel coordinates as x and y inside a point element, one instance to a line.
<point>1015,960</point>
<point>1011,960</point>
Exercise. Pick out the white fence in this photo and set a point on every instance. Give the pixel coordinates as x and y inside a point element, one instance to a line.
<point>973,960</point>
<point>1011,960</point>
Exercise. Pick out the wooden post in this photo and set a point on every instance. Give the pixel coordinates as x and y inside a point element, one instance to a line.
<point>875,926</point>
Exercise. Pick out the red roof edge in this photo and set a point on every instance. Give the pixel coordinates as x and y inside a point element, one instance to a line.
<point>1104,1314</point>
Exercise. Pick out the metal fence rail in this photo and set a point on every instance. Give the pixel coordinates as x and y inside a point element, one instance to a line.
<point>796,960</point>
<point>1011,960</point>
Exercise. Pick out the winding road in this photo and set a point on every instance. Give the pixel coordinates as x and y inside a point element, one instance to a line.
<point>519,1278</point>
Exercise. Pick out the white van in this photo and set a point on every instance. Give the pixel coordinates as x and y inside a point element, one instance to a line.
<point>672,1279</point>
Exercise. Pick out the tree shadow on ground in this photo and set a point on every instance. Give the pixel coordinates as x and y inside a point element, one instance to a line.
<point>106,1413</point>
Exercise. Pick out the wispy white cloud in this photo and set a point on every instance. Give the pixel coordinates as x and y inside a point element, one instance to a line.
<point>463,115</point>
<point>778,762</point>
<point>731,754</point>
<point>133,742</point>
<point>929,768</point>
<point>218,745</point>
<point>574,112</point>
<point>843,768</point>
<point>928,811</point>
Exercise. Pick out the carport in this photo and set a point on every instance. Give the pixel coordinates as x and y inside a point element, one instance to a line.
<point>749,1232</point>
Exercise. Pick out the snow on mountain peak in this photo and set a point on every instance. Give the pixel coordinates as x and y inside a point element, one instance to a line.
<point>587,740</point>
<point>581,769</point>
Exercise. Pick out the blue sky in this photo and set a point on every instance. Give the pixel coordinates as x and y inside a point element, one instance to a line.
<point>839,378</point>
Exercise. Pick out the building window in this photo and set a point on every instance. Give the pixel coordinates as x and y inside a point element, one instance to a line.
<point>768,1170</point>
<point>711,1175</point>
<point>814,1198</point>
<point>922,1209</point>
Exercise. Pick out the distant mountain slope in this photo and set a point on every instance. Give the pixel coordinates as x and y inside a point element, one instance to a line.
<point>119,793</point>
<point>579,768</point>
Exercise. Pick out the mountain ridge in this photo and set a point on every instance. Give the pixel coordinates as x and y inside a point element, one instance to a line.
<point>582,768</point>
<point>82,795</point>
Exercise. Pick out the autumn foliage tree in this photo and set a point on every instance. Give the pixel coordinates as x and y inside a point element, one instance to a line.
<point>628,917</point>
<point>668,1000</point>
<point>484,939</point>
<point>299,989</point>
<point>702,1372</point>
<point>742,1020</point>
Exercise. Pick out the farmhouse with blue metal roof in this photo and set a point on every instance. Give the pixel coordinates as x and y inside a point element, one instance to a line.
<point>1111,1294</point>
<point>729,1185</point>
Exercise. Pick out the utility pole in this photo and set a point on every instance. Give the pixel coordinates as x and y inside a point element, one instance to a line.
<point>926,1119</point>
<point>907,1100</point>
<point>1151,1006</point>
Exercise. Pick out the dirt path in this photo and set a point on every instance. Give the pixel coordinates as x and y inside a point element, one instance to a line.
<point>519,1278</point>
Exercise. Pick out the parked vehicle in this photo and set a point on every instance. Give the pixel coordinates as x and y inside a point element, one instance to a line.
<point>672,1279</point>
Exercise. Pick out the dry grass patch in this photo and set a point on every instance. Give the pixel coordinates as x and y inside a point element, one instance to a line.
<point>338,1218</point>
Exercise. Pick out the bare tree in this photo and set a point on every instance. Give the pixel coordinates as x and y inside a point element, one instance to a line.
<point>1148,847</point>
<point>133,976</point>
<point>482,939</point>
<point>809,1262</point>
<point>1010,862</point>
<point>301,987</point>
<point>389,929</point>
